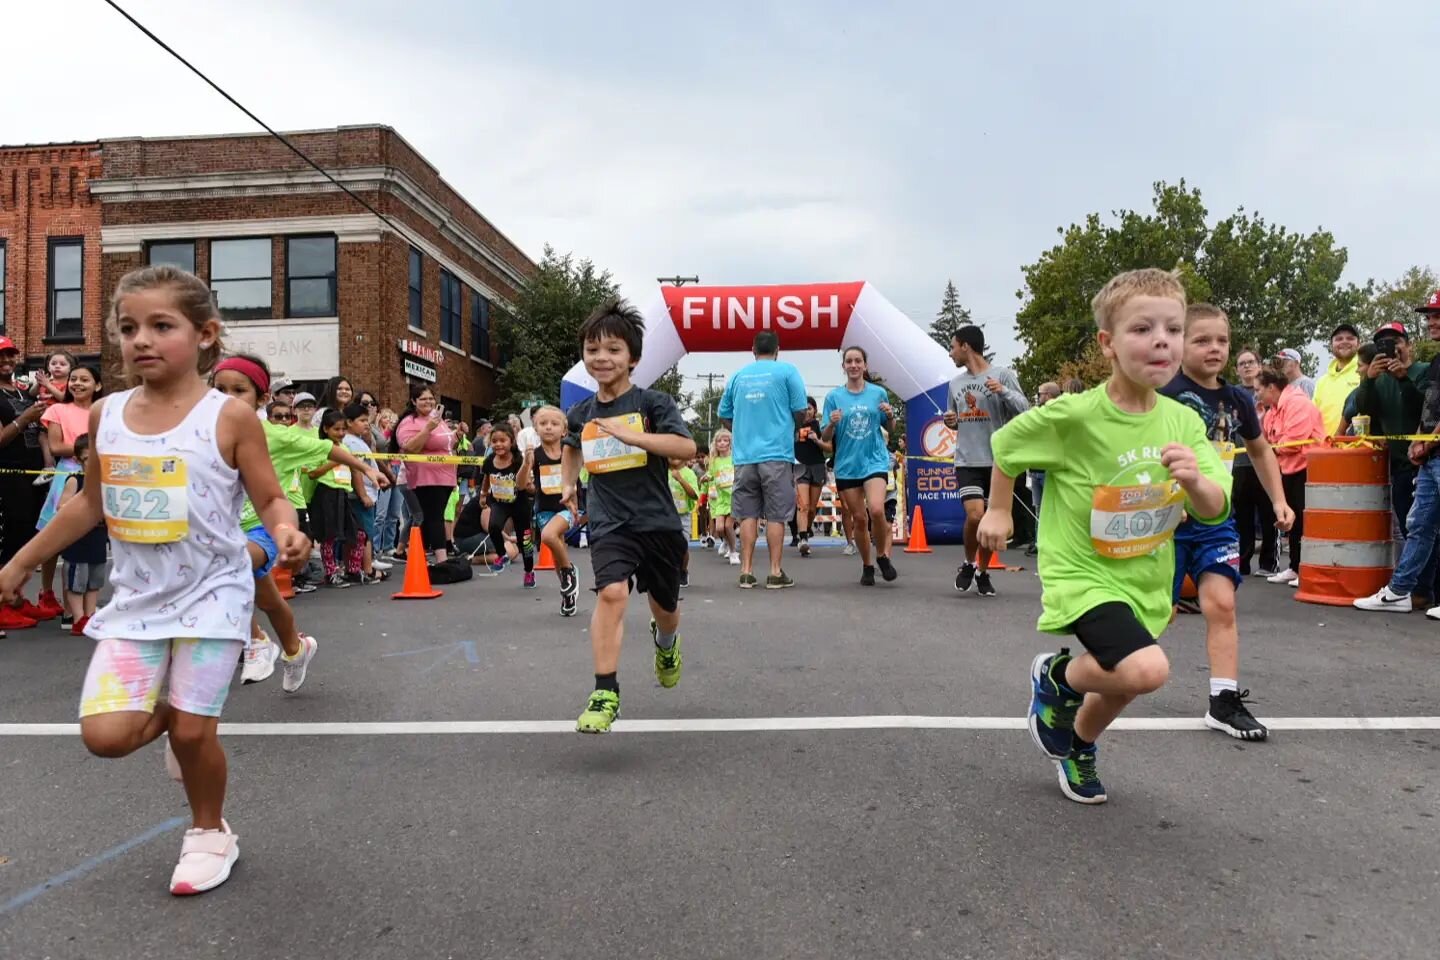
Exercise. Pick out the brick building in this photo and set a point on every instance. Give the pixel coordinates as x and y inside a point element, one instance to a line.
<point>50,286</point>
<point>305,275</point>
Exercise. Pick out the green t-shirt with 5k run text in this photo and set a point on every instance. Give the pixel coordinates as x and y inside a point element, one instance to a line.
<point>1110,510</point>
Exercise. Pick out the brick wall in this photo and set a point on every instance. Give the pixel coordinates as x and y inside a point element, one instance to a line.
<point>44,194</point>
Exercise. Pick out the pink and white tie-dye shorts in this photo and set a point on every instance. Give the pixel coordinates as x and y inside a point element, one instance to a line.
<point>129,675</point>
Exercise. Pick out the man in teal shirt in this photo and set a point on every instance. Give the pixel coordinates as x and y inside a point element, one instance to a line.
<point>763,405</point>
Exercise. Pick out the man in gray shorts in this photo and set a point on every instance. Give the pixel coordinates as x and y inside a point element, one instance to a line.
<point>762,406</point>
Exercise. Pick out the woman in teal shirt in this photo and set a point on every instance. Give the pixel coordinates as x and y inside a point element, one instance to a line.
<point>854,419</point>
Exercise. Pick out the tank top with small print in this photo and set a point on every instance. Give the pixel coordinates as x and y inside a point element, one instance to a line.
<point>172,508</point>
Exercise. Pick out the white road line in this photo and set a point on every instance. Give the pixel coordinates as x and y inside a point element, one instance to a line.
<point>732,725</point>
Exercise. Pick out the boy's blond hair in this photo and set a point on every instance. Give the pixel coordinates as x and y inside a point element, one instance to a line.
<point>1204,311</point>
<point>1124,287</point>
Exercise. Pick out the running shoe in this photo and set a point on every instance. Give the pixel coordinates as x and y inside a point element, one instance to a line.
<point>337,581</point>
<point>983,585</point>
<point>66,621</point>
<point>260,656</point>
<point>303,586</point>
<point>1385,600</point>
<point>780,582</point>
<point>709,542</point>
<point>529,579</point>
<point>805,547</point>
<point>965,577</point>
<point>78,628</point>
<point>292,672</point>
<point>1286,577</point>
<point>1052,712</point>
<point>49,606</point>
<point>887,569</point>
<point>569,591</point>
<point>366,579</point>
<point>12,619</point>
<point>601,711</point>
<point>1078,779</point>
<point>735,559</point>
<point>667,662</point>
<point>684,579</point>
<point>33,611</point>
<point>1229,714</point>
<point>206,857</point>
<point>849,550</point>
<point>748,581</point>
<point>867,576</point>
<point>380,563</point>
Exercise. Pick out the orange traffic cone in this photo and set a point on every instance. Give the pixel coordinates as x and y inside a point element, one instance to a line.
<point>417,572</point>
<point>918,543</point>
<point>546,560</point>
<point>283,580</point>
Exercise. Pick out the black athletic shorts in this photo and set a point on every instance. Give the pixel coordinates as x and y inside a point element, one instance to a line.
<point>1111,632</point>
<point>974,483</point>
<point>648,560</point>
<point>858,483</point>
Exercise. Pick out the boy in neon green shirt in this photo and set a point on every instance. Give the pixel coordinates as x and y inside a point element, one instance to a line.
<point>1123,466</point>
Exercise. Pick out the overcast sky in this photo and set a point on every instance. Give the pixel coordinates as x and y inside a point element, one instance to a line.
<point>759,142</point>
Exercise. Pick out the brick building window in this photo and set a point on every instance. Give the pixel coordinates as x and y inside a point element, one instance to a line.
<point>176,253</point>
<point>310,277</point>
<point>449,308</point>
<point>416,299</point>
<point>65,305</point>
<point>2,286</point>
<point>479,327</point>
<point>240,276</point>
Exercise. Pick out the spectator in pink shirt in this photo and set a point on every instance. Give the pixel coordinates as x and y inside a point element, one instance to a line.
<point>422,430</point>
<point>1290,415</point>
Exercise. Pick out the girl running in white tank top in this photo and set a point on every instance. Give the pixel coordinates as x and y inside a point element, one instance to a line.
<point>175,460</point>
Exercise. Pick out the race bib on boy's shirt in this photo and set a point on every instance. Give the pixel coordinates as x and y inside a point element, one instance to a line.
<point>145,499</point>
<point>1132,521</point>
<point>607,454</point>
<point>502,488</point>
<point>550,480</point>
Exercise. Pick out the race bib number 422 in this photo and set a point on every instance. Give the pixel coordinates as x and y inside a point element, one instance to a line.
<point>1132,521</point>
<point>606,454</point>
<point>145,498</point>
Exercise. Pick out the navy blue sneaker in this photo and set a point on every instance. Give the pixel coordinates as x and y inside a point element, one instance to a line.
<point>1052,710</point>
<point>1078,779</point>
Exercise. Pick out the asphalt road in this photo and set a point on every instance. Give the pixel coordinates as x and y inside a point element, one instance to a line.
<point>813,843</point>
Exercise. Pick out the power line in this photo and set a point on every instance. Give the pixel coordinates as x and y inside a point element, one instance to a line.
<point>243,109</point>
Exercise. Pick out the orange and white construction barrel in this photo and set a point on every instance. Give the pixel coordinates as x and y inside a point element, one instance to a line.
<point>1346,550</point>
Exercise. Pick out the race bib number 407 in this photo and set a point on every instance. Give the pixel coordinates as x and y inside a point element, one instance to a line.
<point>606,454</point>
<point>145,498</point>
<point>1130,522</point>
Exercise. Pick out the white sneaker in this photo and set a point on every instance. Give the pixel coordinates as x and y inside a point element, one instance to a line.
<point>292,672</point>
<point>206,857</point>
<point>849,550</point>
<point>734,559</point>
<point>1433,613</point>
<point>1385,600</point>
<point>260,658</point>
<point>1287,576</point>
<point>379,564</point>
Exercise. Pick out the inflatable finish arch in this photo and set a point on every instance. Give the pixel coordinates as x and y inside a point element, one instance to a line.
<point>816,316</point>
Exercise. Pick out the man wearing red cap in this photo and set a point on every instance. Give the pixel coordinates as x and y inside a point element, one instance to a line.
<point>1392,394</point>
<point>19,451</point>
<point>1415,573</point>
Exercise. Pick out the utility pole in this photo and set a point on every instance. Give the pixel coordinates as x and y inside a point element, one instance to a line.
<point>677,281</point>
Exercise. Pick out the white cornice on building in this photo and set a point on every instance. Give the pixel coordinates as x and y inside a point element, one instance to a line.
<point>347,228</point>
<point>282,183</point>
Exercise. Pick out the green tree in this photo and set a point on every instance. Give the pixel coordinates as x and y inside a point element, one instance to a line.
<point>952,316</point>
<point>1281,289</point>
<point>707,416</point>
<point>541,340</point>
<point>1394,301</point>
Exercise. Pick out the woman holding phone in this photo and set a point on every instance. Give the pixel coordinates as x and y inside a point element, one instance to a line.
<point>422,429</point>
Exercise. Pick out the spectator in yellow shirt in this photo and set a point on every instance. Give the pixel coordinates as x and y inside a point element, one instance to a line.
<point>1341,377</point>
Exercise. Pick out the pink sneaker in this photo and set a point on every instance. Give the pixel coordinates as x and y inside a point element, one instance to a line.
<point>529,581</point>
<point>206,857</point>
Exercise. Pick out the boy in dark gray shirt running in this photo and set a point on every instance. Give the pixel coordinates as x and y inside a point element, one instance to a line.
<point>982,400</point>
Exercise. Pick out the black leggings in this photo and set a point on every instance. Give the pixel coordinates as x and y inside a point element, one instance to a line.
<point>433,500</point>
<point>1294,486</point>
<point>1249,496</point>
<point>520,513</point>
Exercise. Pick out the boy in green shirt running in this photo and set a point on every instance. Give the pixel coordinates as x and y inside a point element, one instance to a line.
<point>1123,466</point>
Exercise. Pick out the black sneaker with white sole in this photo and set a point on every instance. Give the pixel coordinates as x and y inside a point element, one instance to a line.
<point>965,577</point>
<point>887,569</point>
<point>983,584</point>
<point>1229,714</point>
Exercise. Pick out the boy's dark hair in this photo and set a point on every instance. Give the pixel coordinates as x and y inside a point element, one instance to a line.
<point>1367,352</point>
<point>82,444</point>
<point>271,407</point>
<point>1273,378</point>
<point>356,410</point>
<point>767,343</point>
<point>615,317</point>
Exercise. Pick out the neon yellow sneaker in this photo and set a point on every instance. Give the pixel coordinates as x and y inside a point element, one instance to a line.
<point>600,712</point>
<point>667,662</point>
